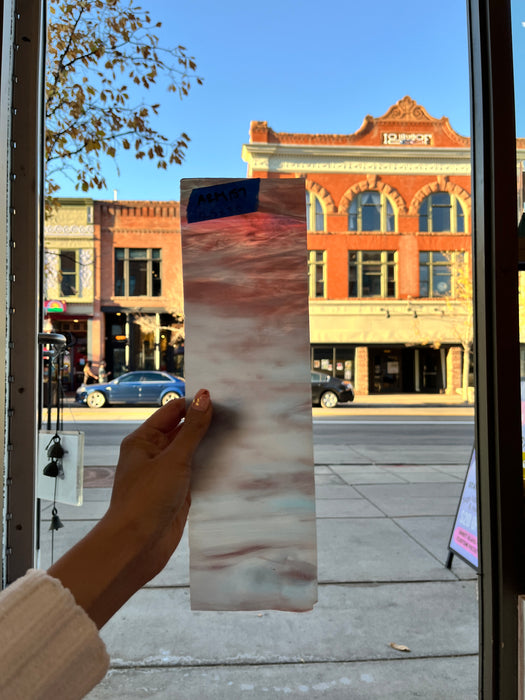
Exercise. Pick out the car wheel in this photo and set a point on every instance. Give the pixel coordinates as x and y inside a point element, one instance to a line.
<point>329,399</point>
<point>96,399</point>
<point>169,397</point>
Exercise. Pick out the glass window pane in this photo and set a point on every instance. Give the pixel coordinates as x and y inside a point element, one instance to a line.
<point>138,253</point>
<point>155,253</point>
<point>119,278</point>
<point>440,257</point>
<point>440,218</point>
<point>423,256</point>
<point>460,219</point>
<point>371,255</point>
<point>319,282</point>
<point>129,378</point>
<point>319,216</point>
<point>352,255</point>
<point>371,218</point>
<point>441,281</point>
<point>352,281</point>
<point>423,215</point>
<point>308,211</point>
<point>390,218</point>
<point>423,287</point>
<point>391,281</point>
<point>440,199</point>
<point>390,255</point>
<point>138,278</point>
<point>156,284</point>
<point>372,281</point>
<point>67,261</point>
<point>370,198</point>
<point>67,286</point>
<point>119,253</point>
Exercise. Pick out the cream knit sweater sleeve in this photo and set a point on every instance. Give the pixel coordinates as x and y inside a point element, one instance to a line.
<point>49,647</point>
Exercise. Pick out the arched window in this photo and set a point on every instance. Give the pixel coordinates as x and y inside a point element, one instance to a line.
<point>371,211</point>
<point>441,212</point>
<point>315,217</point>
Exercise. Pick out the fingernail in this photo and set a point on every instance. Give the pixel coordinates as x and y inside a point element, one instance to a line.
<point>201,400</point>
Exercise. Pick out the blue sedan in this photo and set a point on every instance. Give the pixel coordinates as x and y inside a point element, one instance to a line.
<point>142,387</point>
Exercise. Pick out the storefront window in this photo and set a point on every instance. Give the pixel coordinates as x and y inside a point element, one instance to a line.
<point>338,360</point>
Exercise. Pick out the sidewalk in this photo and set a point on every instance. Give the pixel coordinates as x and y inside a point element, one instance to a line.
<point>382,543</point>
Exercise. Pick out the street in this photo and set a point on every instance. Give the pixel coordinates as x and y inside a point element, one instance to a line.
<point>436,439</point>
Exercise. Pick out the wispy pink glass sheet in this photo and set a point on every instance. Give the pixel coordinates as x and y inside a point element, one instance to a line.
<point>252,520</point>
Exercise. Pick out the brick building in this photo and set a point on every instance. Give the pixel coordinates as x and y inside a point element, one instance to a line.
<point>138,304</point>
<point>389,211</point>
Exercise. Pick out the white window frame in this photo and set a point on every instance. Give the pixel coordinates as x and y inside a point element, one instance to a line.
<point>313,204</point>
<point>385,266</point>
<point>314,263</point>
<point>383,202</point>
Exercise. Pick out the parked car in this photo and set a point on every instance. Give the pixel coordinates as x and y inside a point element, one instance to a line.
<point>141,387</point>
<point>328,391</point>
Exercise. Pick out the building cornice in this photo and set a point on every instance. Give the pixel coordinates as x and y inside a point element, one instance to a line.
<point>298,159</point>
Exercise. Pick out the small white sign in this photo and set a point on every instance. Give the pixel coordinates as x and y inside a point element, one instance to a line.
<point>69,486</point>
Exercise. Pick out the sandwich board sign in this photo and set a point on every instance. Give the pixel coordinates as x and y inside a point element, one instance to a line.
<point>464,536</point>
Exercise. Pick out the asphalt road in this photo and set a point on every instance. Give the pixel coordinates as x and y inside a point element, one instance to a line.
<point>398,435</point>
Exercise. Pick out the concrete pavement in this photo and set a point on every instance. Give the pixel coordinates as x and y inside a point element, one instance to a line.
<point>382,543</point>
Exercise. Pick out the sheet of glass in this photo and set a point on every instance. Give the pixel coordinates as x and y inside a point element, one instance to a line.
<point>252,521</point>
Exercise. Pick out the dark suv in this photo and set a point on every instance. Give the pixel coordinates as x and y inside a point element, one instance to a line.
<point>328,391</point>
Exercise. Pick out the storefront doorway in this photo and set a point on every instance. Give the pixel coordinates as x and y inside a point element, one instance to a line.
<point>431,370</point>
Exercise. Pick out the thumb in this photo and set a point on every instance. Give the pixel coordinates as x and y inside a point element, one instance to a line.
<point>196,423</point>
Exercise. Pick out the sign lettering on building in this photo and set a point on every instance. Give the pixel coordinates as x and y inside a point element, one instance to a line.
<point>402,139</point>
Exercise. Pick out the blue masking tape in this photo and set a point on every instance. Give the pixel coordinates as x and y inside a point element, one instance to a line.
<point>225,199</point>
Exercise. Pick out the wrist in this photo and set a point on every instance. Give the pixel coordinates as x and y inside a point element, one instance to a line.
<point>101,570</point>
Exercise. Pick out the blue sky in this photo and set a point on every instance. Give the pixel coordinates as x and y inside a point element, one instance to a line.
<point>303,66</point>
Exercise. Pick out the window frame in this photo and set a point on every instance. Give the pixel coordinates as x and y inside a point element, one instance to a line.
<point>63,253</point>
<point>454,203</point>
<point>313,265</point>
<point>125,260</point>
<point>456,257</point>
<point>361,266</point>
<point>314,208</point>
<point>384,203</point>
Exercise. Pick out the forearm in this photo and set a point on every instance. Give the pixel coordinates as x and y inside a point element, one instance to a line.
<point>103,570</point>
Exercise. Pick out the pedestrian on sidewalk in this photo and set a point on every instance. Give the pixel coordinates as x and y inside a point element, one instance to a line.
<point>89,376</point>
<point>49,644</point>
<point>103,374</point>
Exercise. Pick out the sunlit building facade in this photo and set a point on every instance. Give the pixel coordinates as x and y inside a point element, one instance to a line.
<point>389,237</point>
<point>139,303</point>
<point>69,281</point>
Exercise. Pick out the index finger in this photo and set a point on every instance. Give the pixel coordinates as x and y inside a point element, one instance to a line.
<point>166,418</point>
<point>194,427</point>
